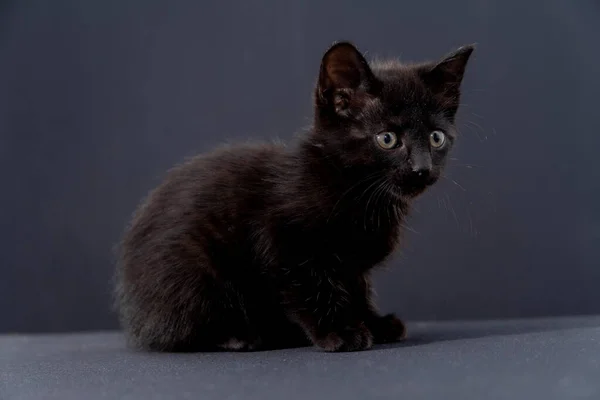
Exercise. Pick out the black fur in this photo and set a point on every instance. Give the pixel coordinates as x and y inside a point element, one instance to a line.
<point>268,246</point>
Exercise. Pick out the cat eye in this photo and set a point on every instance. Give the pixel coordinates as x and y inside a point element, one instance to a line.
<point>437,139</point>
<point>387,140</point>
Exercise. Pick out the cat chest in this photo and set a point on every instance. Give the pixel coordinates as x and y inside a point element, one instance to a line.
<point>357,250</point>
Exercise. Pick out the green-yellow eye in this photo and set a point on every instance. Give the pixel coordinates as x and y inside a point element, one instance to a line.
<point>437,139</point>
<point>387,140</point>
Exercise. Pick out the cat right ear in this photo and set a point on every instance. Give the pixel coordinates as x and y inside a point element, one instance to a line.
<point>445,76</point>
<point>344,73</point>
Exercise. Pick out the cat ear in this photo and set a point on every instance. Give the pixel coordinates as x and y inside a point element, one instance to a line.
<point>445,77</point>
<point>344,72</point>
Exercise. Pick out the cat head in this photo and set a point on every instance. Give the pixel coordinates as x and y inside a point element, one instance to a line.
<point>388,117</point>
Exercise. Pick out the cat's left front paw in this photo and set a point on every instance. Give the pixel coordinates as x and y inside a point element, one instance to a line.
<point>351,338</point>
<point>388,329</point>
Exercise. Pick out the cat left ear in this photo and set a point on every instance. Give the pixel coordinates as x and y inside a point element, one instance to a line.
<point>445,76</point>
<point>344,72</point>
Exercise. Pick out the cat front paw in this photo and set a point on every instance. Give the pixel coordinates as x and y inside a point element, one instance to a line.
<point>235,344</point>
<point>348,339</point>
<point>388,329</point>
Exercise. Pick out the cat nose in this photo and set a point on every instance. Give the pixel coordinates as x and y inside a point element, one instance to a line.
<point>422,172</point>
<point>420,163</point>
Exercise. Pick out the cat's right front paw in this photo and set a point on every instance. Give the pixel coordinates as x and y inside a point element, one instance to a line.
<point>348,339</point>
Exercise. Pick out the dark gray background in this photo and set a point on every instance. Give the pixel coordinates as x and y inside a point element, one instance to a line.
<point>99,98</point>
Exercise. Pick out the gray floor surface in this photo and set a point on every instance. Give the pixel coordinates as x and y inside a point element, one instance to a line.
<point>509,359</point>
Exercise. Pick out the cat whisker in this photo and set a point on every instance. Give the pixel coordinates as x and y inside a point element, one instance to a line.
<point>469,166</point>
<point>376,196</point>
<point>385,190</point>
<point>458,184</point>
<point>367,190</point>
<point>453,163</point>
<point>477,128</point>
<point>409,228</point>
<point>377,182</point>
<point>383,194</point>
<point>453,181</point>
<point>452,211</point>
<point>391,198</point>
<point>472,130</point>
<point>366,179</point>
<point>475,124</point>
<point>472,230</point>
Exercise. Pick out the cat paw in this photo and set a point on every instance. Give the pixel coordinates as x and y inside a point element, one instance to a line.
<point>349,339</point>
<point>388,329</point>
<point>234,344</point>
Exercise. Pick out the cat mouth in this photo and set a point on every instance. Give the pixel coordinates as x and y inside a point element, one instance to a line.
<point>403,192</point>
<point>414,189</point>
<point>412,192</point>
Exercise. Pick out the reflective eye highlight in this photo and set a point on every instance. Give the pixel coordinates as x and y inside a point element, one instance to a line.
<point>387,140</point>
<point>437,139</point>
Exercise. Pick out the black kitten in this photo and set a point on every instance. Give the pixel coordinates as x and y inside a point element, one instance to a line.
<point>268,246</point>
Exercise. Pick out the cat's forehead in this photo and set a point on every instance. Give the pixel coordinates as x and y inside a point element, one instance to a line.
<point>403,92</point>
<point>403,100</point>
<point>403,85</point>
